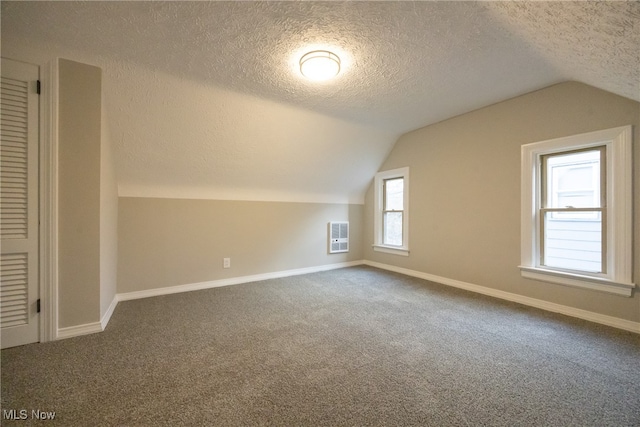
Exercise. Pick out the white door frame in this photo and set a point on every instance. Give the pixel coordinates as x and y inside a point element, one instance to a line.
<point>48,181</point>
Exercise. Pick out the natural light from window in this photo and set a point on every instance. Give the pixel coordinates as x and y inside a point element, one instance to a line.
<point>393,211</point>
<point>572,229</point>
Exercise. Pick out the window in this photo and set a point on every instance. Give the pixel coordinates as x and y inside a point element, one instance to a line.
<point>576,211</point>
<point>391,211</point>
<point>573,201</point>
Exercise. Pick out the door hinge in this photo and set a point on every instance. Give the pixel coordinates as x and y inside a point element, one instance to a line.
<point>38,87</point>
<point>38,306</point>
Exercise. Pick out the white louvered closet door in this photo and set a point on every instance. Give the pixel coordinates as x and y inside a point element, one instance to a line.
<point>19,319</point>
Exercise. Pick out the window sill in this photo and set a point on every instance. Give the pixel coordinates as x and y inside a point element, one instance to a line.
<point>391,250</point>
<point>577,280</point>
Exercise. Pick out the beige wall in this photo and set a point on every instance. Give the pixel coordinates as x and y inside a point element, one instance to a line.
<point>168,242</point>
<point>79,193</point>
<point>108,219</point>
<point>465,191</point>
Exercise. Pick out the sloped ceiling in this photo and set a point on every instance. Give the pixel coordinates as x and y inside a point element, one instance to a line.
<point>204,99</point>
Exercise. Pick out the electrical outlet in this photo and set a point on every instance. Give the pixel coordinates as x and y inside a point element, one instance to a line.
<point>226,263</point>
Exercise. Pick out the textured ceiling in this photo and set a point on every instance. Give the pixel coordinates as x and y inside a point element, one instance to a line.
<point>404,64</point>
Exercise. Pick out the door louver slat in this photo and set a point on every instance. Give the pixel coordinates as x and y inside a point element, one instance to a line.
<point>13,290</point>
<point>13,161</point>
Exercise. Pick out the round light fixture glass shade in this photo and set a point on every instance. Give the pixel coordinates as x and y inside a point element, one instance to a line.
<point>320,65</point>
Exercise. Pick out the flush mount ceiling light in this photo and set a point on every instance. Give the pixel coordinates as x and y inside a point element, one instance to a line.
<point>320,65</point>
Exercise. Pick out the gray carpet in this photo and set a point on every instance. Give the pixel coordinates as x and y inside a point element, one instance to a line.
<point>354,347</point>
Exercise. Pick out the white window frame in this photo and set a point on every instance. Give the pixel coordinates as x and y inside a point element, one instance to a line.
<point>378,201</point>
<point>618,276</point>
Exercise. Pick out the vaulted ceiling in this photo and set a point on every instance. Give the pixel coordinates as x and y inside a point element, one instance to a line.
<point>205,99</point>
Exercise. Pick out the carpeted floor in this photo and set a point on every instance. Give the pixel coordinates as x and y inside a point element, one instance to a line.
<point>353,347</point>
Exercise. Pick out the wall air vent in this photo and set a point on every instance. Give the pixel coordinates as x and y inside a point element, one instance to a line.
<point>338,237</point>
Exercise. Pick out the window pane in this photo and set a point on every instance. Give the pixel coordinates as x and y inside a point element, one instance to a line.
<point>392,228</point>
<point>573,180</point>
<point>573,244</point>
<point>393,196</point>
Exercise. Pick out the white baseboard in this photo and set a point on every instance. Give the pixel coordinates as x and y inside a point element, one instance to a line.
<point>532,302</point>
<point>231,281</point>
<point>91,328</point>
<point>107,315</point>
<point>88,328</point>
<point>75,331</point>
